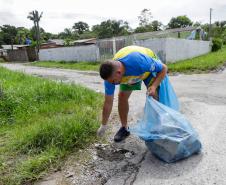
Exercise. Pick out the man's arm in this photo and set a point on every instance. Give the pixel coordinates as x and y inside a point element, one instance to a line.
<point>108,103</point>
<point>107,107</point>
<point>159,77</point>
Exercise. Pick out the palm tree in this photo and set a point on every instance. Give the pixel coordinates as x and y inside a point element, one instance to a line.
<point>35,17</point>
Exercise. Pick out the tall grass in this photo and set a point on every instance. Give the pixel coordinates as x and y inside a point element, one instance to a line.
<point>40,122</point>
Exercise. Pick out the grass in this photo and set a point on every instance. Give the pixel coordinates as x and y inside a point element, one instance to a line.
<point>84,66</point>
<point>40,123</point>
<point>201,64</point>
<point>2,60</point>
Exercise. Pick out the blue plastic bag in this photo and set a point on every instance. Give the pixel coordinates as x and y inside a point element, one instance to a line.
<point>166,132</point>
<point>167,95</point>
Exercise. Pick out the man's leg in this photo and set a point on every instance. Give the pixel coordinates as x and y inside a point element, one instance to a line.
<point>123,109</point>
<point>123,106</point>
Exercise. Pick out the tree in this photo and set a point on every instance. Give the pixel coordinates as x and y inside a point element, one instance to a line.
<point>22,34</point>
<point>87,35</point>
<point>142,29</point>
<point>156,25</point>
<point>68,34</point>
<point>145,17</point>
<point>153,26</point>
<point>8,34</point>
<point>80,27</point>
<point>145,24</point>
<point>196,24</point>
<point>46,36</point>
<point>35,17</point>
<point>33,35</point>
<point>179,22</point>
<point>1,39</point>
<point>219,30</point>
<point>111,28</point>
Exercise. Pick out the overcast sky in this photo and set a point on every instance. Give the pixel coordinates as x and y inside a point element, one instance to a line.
<point>60,14</point>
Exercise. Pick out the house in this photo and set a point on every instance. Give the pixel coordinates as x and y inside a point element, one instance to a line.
<point>52,43</point>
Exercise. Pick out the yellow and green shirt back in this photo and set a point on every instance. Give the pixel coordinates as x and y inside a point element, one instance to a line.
<point>139,64</point>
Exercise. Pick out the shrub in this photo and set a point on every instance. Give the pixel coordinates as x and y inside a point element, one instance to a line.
<point>217,44</point>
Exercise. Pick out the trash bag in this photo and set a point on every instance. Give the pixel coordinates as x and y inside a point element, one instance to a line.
<point>166,132</point>
<point>167,95</point>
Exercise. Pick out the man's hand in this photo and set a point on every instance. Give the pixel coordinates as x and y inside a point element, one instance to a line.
<point>101,131</point>
<point>152,92</point>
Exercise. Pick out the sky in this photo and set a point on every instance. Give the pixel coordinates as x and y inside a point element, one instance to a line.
<point>61,14</point>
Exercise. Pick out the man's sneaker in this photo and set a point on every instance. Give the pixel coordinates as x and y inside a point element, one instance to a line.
<point>121,134</point>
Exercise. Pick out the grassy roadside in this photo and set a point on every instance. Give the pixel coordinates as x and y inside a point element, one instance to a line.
<point>40,123</point>
<point>201,64</point>
<point>84,66</point>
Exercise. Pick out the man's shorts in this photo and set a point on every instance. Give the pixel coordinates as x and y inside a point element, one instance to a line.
<point>137,86</point>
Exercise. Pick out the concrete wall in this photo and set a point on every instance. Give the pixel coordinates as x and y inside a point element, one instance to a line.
<point>19,55</point>
<point>156,45</point>
<point>75,53</point>
<point>172,50</point>
<point>167,49</point>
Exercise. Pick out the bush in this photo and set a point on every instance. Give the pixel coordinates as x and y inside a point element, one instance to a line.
<point>224,40</point>
<point>217,44</point>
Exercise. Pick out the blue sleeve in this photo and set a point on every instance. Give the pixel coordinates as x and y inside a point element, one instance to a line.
<point>155,65</point>
<point>109,88</point>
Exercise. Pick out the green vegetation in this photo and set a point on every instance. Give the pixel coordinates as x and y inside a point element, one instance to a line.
<point>217,44</point>
<point>85,66</point>
<point>2,60</point>
<point>204,63</point>
<point>40,123</point>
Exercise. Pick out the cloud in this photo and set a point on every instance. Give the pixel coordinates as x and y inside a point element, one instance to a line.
<point>58,15</point>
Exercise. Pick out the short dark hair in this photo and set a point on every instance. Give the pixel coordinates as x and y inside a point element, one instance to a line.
<point>106,69</point>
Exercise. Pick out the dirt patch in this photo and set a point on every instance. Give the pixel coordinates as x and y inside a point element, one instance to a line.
<point>109,164</point>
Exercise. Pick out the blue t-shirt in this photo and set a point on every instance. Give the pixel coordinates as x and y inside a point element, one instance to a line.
<point>138,67</point>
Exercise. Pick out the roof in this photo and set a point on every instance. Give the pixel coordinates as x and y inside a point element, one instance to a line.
<point>85,41</point>
<point>57,41</point>
<point>9,47</point>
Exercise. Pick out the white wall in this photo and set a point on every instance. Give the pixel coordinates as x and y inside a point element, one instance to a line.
<point>75,53</point>
<point>172,50</point>
<point>180,49</point>
<point>167,49</point>
<point>156,45</point>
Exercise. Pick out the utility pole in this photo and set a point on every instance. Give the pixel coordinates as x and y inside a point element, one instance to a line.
<point>210,22</point>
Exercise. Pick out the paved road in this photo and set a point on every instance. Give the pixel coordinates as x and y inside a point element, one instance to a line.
<point>203,101</point>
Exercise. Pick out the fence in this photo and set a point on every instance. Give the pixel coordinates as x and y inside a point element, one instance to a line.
<point>19,55</point>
